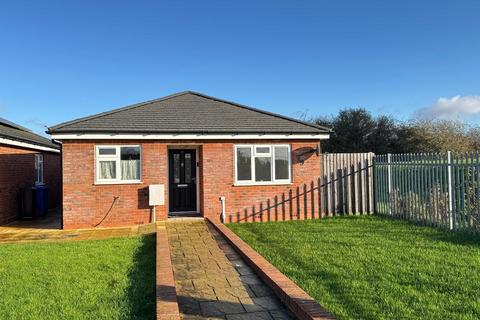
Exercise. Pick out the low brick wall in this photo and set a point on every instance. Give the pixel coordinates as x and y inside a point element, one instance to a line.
<point>167,304</point>
<point>298,301</point>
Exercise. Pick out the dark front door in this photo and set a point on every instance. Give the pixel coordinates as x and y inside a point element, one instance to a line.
<point>183,177</point>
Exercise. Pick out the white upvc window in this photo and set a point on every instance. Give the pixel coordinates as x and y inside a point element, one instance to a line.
<point>257,164</point>
<point>38,168</point>
<point>118,164</point>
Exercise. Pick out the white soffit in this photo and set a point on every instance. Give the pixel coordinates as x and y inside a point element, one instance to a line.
<point>99,136</point>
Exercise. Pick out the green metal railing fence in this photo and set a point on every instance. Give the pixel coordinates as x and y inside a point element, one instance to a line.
<point>436,189</point>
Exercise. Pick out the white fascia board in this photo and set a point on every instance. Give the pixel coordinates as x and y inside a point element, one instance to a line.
<point>98,136</point>
<point>27,145</point>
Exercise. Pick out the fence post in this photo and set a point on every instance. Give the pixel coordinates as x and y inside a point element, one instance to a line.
<point>374,184</point>
<point>389,169</point>
<point>450,195</point>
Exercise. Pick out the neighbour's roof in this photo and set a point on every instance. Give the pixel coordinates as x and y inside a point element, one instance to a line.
<point>12,131</point>
<point>187,112</point>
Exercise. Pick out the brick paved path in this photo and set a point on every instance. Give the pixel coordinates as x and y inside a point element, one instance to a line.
<point>212,281</point>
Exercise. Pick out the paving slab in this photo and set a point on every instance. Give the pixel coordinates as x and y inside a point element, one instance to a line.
<point>212,280</point>
<point>48,229</point>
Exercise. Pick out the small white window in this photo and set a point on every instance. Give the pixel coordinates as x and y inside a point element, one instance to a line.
<point>118,164</point>
<point>262,164</point>
<point>38,168</point>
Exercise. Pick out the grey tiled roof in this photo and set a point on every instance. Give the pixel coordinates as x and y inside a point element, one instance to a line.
<point>12,131</point>
<point>187,112</point>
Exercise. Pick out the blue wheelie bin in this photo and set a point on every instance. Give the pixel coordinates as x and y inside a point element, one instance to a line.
<point>40,200</point>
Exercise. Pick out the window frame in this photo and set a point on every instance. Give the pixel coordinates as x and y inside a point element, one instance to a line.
<point>39,173</point>
<point>253,155</point>
<point>117,159</point>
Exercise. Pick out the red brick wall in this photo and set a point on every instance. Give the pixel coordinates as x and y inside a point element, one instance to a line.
<point>17,171</point>
<point>218,164</point>
<point>88,205</point>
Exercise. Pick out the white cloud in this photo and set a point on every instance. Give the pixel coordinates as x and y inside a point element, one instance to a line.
<point>455,107</point>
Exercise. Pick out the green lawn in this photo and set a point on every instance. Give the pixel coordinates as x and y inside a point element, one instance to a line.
<point>373,267</point>
<point>98,279</point>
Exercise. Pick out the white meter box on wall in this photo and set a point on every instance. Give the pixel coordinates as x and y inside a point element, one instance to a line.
<point>156,194</point>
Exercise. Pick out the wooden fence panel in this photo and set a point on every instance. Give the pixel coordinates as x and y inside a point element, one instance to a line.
<point>349,188</point>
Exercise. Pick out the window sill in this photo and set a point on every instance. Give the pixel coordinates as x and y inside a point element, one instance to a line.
<point>97,183</point>
<point>253,184</point>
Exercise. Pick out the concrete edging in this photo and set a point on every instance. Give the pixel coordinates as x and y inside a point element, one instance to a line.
<point>298,301</point>
<point>166,294</point>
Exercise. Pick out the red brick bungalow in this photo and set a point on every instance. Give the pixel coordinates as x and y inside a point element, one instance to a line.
<point>200,148</point>
<point>26,159</point>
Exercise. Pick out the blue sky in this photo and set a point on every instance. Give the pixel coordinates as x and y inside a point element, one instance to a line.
<point>60,60</point>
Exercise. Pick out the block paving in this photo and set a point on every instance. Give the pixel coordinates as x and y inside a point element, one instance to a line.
<point>211,279</point>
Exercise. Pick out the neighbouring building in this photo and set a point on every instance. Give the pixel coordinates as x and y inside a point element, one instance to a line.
<point>198,148</point>
<point>26,160</point>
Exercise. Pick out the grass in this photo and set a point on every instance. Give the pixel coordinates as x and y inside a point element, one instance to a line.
<point>99,279</point>
<point>374,267</point>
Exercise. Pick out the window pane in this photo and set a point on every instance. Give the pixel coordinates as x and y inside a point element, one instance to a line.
<point>176,168</point>
<point>130,153</point>
<point>107,151</point>
<point>244,164</point>
<point>263,169</point>
<point>38,168</point>
<point>281,163</point>
<point>40,172</point>
<point>262,150</point>
<point>107,170</point>
<point>130,163</point>
<point>188,168</point>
